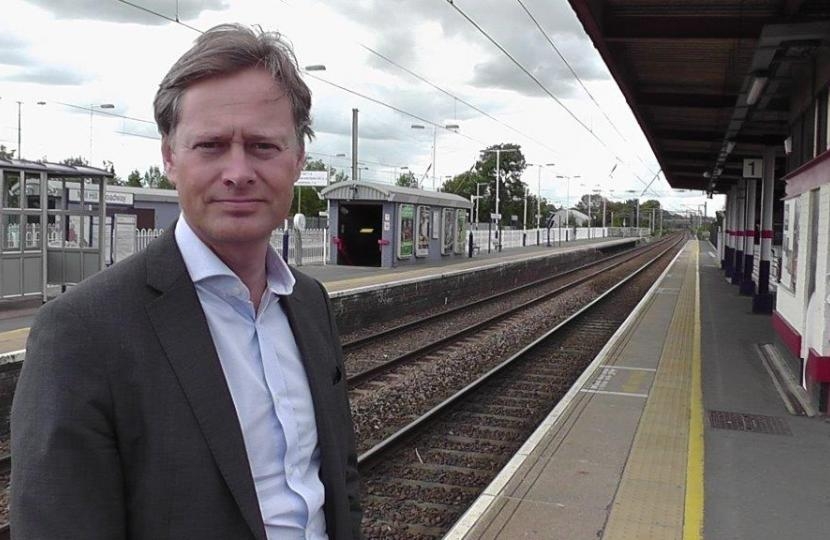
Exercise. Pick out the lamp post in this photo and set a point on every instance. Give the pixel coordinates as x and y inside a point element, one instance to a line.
<point>539,194</point>
<point>498,152</point>
<point>434,143</point>
<point>598,191</point>
<point>92,109</point>
<point>478,199</point>
<point>636,210</point>
<point>568,198</point>
<point>328,171</point>
<point>20,126</point>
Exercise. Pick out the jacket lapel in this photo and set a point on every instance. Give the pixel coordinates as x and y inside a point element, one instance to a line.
<point>179,322</point>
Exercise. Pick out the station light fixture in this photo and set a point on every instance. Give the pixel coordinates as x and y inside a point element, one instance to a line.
<point>759,82</point>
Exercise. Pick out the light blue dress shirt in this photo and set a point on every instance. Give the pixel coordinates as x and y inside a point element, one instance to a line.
<point>268,384</point>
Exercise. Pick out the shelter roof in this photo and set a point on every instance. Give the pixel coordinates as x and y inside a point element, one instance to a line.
<point>370,191</point>
<point>687,68</point>
<point>55,169</point>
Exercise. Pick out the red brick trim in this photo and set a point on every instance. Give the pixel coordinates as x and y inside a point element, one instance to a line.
<point>766,234</point>
<point>788,334</point>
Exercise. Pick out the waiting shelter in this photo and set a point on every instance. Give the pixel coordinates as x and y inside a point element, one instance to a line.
<point>384,225</point>
<point>45,240</point>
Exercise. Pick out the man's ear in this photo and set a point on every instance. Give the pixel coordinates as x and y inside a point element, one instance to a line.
<point>168,158</point>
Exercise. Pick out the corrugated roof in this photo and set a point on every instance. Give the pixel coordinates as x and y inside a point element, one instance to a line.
<point>55,169</point>
<point>370,191</point>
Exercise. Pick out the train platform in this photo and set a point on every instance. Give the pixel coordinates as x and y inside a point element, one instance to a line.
<point>678,429</point>
<point>15,317</point>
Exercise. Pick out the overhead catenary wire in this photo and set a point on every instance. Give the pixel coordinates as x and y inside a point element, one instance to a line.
<point>450,94</point>
<point>547,91</point>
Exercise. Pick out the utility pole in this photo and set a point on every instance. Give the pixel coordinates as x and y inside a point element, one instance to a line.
<point>354,145</point>
<point>19,155</point>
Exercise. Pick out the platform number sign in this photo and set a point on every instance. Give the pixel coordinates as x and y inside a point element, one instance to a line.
<point>753,168</point>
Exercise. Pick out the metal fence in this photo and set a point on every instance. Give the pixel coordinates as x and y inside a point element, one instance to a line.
<point>487,239</point>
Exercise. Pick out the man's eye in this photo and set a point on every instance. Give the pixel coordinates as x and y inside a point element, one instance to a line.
<point>208,145</point>
<point>265,147</point>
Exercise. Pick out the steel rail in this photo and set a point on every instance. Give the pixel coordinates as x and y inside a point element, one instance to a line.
<point>373,372</point>
<point>370,457</point>
<point>347,346</point>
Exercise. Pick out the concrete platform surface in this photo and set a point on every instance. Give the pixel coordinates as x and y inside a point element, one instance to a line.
<point>638,449</point>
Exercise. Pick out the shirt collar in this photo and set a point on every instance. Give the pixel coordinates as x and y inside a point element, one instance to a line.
<point>203,264</point>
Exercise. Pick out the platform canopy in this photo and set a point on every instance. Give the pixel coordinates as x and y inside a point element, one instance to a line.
<point>369,191</point>
<point>709,81</point>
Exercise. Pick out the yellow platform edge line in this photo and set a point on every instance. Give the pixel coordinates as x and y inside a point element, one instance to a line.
<point>693,512</point>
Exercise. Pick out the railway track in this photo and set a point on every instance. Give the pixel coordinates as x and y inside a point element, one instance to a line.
<point>416,382</point>
<point>420,480</point>
<point>373,355</point>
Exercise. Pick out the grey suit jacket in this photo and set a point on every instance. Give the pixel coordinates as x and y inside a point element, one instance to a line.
<point>123,425</point>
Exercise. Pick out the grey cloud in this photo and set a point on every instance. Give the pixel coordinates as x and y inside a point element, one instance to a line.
<point>12,51</point>
<point>48,75</point>
<point>115,11</point>
<point>506,22</point>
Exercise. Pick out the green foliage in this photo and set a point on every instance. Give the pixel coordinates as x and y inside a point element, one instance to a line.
<point>511,188</point>
<point>75,160</point>
<point>154,178</point>
<point>6,154</point>
<point>134,179</point>
<point>407,179</point>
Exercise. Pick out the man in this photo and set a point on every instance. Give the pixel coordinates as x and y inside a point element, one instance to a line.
<point>196,390</point>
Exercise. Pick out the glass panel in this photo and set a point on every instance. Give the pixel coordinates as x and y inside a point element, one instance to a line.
<point>73,231</point>
<point>11,240</point>
<point>55,232</point>
<point>32,191</point>
<point>33,236</point>
<point>11,190</point>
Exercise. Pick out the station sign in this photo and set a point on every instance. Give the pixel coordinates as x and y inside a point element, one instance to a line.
<point>92,196</point>
<point>753,168</point>
<point>494,215</point>
<point>313,178</point>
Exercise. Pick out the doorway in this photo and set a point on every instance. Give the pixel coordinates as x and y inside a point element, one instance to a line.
<point>360,227</point>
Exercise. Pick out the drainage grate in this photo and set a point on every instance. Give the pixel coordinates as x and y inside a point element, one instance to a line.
<point>755,423</point>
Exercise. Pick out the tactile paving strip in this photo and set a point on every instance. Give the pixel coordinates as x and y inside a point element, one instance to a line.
<point>755,423</point>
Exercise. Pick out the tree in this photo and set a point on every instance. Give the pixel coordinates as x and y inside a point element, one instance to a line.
<point>115,180</point>
<point>407,179</point>
<point>134,179</point>
<point>6,154</point>
<point>75,160</point>
<point>511,188</point>
<point>154,178</point>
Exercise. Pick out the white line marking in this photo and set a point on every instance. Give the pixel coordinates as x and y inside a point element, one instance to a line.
<point>609,393</point>
<point>653,370</point>
<point>467,521</point>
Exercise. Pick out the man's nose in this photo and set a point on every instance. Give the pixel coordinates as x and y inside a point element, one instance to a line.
<point>237,167</point>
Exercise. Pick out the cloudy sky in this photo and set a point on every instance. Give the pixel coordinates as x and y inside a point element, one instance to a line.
<point>61,58</point>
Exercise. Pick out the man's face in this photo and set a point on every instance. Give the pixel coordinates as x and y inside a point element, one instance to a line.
<point>234,158</point>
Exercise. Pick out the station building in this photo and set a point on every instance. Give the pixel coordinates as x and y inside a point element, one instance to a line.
<point>384,225</point>
<point>734,100</point>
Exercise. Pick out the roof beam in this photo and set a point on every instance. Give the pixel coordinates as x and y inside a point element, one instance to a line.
<point>716,136</point>
<point>674,27</point>
<point>698,101</point>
